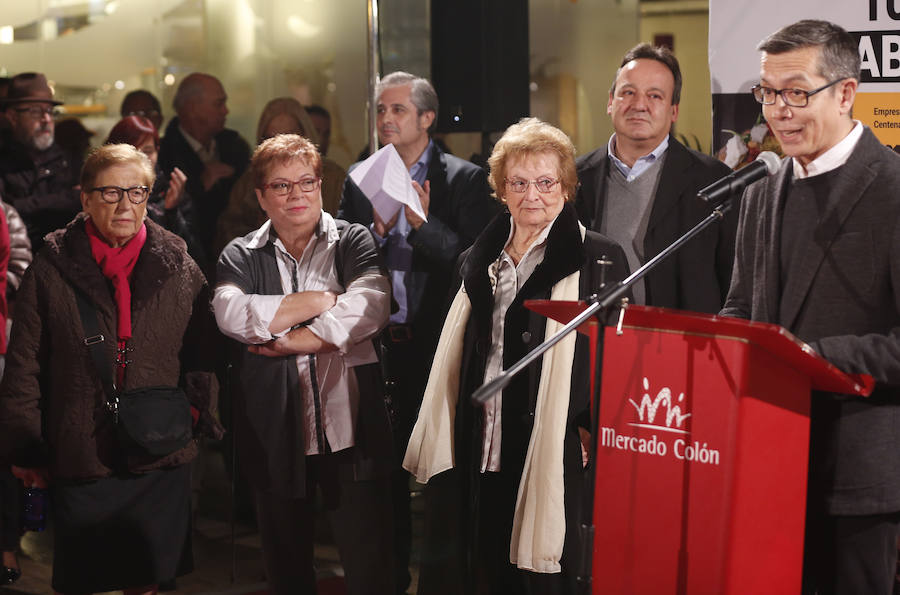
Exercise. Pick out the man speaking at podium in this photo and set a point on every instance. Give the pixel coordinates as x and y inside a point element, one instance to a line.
<point>818,252</point>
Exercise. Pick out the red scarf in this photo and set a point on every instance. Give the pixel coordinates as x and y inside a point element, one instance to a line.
<point>117,264</point>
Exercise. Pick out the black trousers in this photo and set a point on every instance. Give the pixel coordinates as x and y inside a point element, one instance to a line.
<point>10,511</point>
<point>494,573</point>
<point>359,513</point>
<point>850,555</point>
<point>406,362</point>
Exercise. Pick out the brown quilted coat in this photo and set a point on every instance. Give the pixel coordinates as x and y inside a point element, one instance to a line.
<point>51,401</point>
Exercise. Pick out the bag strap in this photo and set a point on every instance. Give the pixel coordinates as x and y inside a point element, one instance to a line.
<point>94,340</point>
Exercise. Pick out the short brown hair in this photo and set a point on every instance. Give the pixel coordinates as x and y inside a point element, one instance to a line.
<point>531,136</point>
<point>663,55</point>
<point>282,149</point>
<point>108,156</point>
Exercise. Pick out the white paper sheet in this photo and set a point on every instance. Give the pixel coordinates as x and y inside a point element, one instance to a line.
<point>385,181</point>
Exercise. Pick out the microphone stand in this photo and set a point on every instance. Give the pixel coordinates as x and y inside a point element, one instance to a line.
<point>597,303</point>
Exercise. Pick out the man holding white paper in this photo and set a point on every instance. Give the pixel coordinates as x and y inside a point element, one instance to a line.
<point>421,233</point>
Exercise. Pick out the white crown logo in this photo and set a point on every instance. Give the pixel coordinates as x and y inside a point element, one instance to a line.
<point>649,408</point>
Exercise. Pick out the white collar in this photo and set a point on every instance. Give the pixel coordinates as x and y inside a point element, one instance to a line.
<point>195,144</point>
<point>265,233</point>
<point>833,158</point>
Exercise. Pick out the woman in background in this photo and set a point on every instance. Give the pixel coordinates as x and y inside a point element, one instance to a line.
<point>508,522</point>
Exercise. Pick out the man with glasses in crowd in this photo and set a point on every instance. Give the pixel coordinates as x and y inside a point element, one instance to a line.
<point>37,176</point>
<point>420,256</point>
<point>817,252</point>
<point>640,189</point>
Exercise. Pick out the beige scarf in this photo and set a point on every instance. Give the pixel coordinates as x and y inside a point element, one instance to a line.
<point>539,522</point>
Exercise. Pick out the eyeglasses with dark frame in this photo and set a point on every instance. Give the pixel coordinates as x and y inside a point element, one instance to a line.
<point>543,185</point>
<point>285,187</point>
<point>113,194</point>
<point>37,112</point>
<point>791,97</point>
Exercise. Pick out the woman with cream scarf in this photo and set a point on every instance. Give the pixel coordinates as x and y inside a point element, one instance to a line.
<point>506,480</point>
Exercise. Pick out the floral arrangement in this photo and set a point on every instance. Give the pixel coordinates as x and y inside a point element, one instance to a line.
<point>743,148</point>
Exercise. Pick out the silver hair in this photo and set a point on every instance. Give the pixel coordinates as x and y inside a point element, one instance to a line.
<point>421,93</point>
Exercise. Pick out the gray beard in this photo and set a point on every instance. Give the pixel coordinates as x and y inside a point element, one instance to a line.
<point>42,142</point>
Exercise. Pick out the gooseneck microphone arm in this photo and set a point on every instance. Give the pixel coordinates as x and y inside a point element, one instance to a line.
<point>597,303</point>
<point>720,192</point>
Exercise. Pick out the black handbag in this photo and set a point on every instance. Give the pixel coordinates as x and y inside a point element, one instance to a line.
<point>152,421</point>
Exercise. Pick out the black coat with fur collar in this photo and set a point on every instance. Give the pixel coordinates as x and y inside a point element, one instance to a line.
<point>459,488</point>
<point>524,330</point>
<point>51,400</point>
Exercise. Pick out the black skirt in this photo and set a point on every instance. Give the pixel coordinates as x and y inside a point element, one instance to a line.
<point>121,532</point>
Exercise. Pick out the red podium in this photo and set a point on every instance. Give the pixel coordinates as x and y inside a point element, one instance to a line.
<point>702,452</point>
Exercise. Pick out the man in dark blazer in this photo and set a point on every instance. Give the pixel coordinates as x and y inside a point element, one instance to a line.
<point>640,190</point>
<point>420,256</point>
<point>210,155</point>
<point>818,252</point>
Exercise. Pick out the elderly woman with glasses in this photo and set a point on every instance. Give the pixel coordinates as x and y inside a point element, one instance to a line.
<point>509,484</point>
<point>307,293</point>
<point>282,115</point>
<point>119,282</point>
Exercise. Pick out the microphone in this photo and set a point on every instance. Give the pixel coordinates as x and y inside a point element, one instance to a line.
<point>765,165</point>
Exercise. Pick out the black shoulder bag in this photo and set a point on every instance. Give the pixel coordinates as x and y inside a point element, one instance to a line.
<point>153,421</point>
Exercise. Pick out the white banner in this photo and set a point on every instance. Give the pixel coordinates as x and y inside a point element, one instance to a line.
<point>736,28</point>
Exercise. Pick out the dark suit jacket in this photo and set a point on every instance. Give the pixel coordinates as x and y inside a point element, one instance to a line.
<point>460,207</point>
<point>697,277</point>
<point>174,151</point>
<point>41,186</point>
<point>846,303</point>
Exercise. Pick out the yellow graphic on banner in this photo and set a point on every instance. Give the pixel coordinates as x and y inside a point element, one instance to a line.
<point>881,113</point>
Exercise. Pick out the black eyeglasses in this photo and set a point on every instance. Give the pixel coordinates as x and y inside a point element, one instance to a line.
<point>114,194</point>
<point>37,112</point>
<point>791,97</point>
<point>544,185</point>
<point>285,187</point>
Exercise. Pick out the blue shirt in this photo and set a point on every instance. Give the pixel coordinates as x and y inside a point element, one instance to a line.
<point>641,165</point>
<point>397,251</point>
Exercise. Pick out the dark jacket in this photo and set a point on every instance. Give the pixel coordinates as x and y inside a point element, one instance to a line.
<point>268,416</point>
<point>697,277</point>
<point>52,404</point>
<point>41,187</point>
<point>845,302</point>
<point>19,248</point>
<point>523,331</point>
<point>176,220</point>
<point>174,151</point>
<point>460,207</point>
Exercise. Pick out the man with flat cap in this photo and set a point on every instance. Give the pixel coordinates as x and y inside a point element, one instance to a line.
<point>37,176</point>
